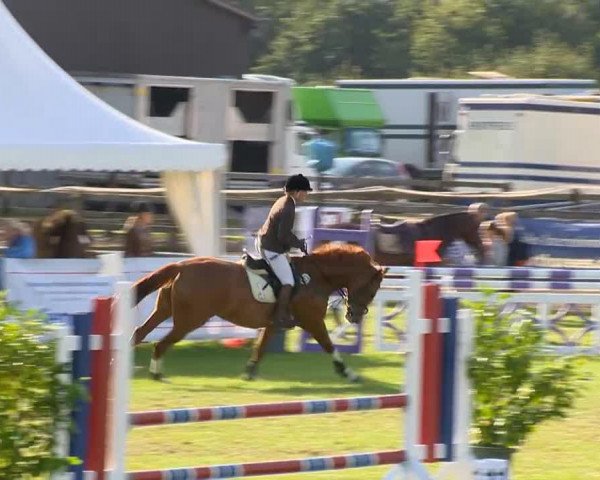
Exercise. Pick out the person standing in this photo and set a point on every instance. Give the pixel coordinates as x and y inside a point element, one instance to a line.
<point>138,239</point>
<point>496,242</point>
<point>480,211</point>
<point>518,250</point>
<point>20,243</point>
<point>321,150</point>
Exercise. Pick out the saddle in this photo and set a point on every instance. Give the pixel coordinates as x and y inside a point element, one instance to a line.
<point>264,283</point>
<point>397,238</point>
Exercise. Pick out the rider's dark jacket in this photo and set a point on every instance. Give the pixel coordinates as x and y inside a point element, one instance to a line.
<point>276,234</point>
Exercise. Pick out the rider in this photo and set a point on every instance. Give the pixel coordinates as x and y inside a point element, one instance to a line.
<point>276,238</point>
<point>479,211</point>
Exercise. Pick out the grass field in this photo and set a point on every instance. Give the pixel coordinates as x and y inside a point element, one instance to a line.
<point>204,374</point>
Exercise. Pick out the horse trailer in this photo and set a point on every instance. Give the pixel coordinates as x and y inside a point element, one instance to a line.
<point>421,114</point>
<point>532,141</point>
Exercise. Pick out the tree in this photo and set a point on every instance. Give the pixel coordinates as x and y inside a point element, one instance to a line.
<point>550,58</point>
<point>453,37</point>
<point>321,40</point>
<point>321,37</point>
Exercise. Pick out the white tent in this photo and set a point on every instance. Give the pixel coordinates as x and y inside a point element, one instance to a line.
<point>49,122</point>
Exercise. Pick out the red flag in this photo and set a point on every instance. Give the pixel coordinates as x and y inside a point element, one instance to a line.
<point>426,252</point>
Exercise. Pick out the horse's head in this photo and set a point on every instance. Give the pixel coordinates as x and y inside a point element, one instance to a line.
<point>362,292</point>
<point>351,267</point>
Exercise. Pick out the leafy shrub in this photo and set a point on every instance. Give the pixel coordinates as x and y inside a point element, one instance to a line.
<point>34,402</point>
<point>516,383</point>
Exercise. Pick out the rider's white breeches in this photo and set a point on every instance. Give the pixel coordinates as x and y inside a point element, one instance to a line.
<point>280,265</point>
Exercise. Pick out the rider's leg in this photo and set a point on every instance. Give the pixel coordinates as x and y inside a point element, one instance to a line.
<point>281,267</point>
<point>282,316</point>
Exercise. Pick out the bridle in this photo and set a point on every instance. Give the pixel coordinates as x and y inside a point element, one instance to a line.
<point>351,307</point>
<point>359,307</point>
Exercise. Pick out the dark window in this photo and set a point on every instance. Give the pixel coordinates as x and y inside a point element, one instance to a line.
<point>381,169</point>
<point>250,157</point>
<point>255,107</point>
<point>363,170</point>
<point>163,100</point>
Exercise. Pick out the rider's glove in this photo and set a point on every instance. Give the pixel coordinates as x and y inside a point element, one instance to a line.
<point>304,247</point>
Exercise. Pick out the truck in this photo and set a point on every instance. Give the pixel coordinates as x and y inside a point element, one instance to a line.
<point>352,118</point>
<point>532,141</point>
<point>420,114</point>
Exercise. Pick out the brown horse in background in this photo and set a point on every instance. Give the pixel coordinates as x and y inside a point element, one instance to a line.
<point>394,244</point>
<point>61,234</point>
<point>193,291</point>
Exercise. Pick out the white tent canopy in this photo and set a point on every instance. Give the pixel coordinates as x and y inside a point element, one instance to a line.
<point>49,122</point>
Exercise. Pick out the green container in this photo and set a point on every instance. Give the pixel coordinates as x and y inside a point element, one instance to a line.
<point>337,108</point>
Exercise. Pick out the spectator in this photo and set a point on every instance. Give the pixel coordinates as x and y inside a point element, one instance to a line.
<point>518,251</point>
<point>322,150</point>
<point>480,211</point>
<point>138,241</point>
<point>20,243</point>
<point>496,245</point>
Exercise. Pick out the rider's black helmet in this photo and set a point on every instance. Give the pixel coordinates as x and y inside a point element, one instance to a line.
<point>297,183</point>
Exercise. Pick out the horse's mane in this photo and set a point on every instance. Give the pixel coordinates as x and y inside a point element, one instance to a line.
<point>337,250</point>
<point>446,216</point>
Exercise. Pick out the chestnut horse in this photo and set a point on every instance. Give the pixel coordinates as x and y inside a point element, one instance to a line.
<point>193,291</point>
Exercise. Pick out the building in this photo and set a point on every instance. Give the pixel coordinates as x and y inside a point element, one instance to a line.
<point>193,38</point>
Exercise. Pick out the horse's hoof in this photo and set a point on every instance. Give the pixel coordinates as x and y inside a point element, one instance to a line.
<point>251,371</point>
<point>355,378</point>
<point>159,377</point>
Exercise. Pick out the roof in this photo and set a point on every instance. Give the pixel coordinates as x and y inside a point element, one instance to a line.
<point>332,107</point>
<point>49,122</point>
<point>235,9</point>
<point>441,83</point>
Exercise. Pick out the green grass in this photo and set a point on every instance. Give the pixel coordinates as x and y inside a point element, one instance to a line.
<point>204,374</point>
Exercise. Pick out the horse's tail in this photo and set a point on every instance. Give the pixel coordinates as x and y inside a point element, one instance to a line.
<point>155,280</point>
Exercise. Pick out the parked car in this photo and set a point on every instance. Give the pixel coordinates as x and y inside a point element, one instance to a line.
<point>355,168</point>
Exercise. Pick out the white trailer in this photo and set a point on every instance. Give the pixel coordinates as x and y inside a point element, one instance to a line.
<point>531,141</point>
<point>252,116</point>
<point>421,113</point>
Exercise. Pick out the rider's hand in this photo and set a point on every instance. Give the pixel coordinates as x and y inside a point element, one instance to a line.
<point>304,247</point>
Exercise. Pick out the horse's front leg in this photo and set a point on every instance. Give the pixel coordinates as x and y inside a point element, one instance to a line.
<point>258,352</point>
<point>319,331</point>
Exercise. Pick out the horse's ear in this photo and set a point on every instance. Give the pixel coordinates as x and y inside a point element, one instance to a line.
<point>384,271</point>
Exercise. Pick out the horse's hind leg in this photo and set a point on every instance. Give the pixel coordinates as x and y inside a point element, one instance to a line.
<point>162,311</point>
<point>160,348</point>
<point>181,327</point>
<point>258,351</point>
<point>320,334</point>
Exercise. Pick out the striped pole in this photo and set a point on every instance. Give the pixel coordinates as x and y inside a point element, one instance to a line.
<point>307,407</point>
<point>313,464</point>
<point>99,428</point>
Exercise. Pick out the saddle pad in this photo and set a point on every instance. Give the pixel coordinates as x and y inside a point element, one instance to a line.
<point>261,290</point>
